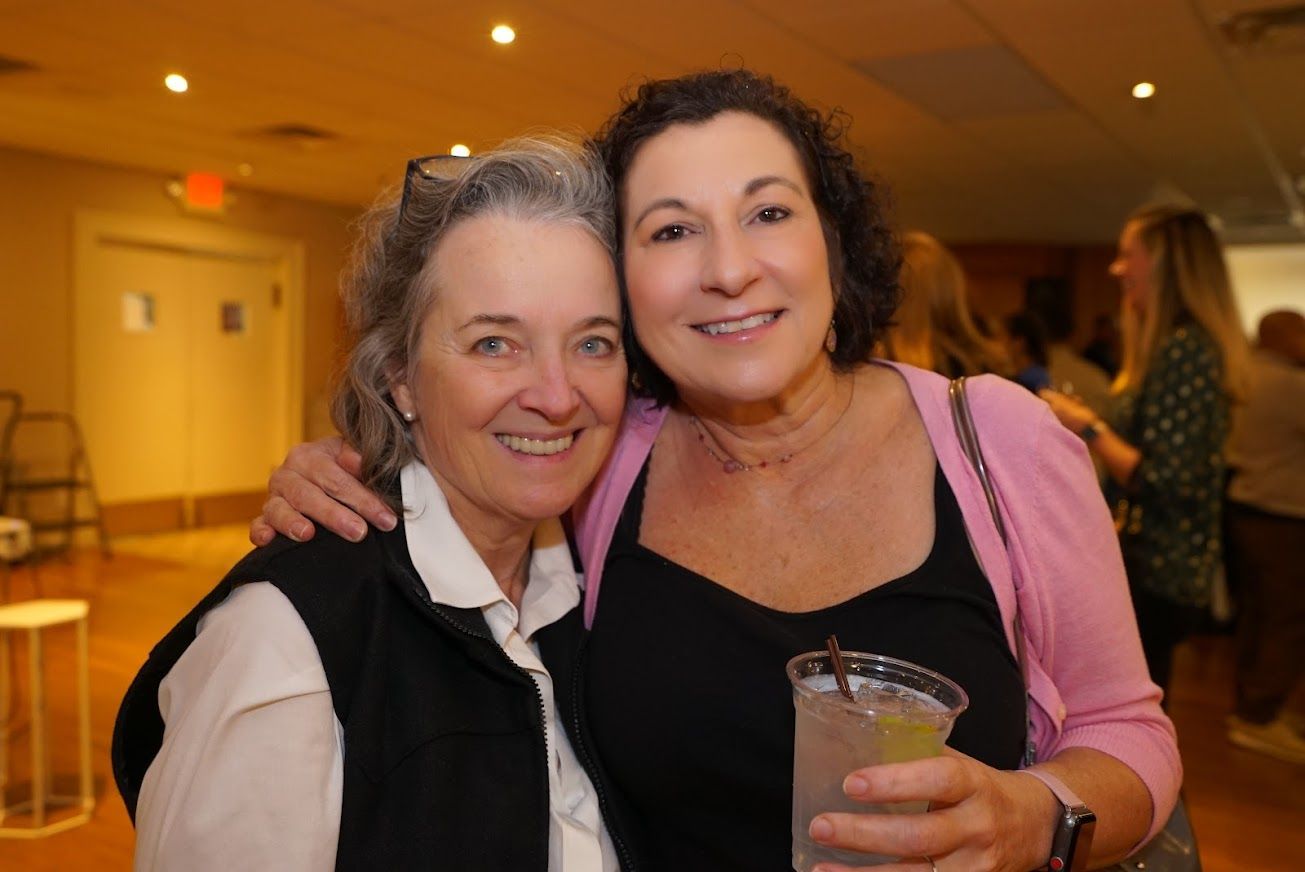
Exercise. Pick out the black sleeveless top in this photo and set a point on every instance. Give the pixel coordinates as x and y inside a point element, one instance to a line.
<point>690,712</point>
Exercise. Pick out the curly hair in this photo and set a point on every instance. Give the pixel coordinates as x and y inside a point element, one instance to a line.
<point>393,275</point>
<point>864,257</point>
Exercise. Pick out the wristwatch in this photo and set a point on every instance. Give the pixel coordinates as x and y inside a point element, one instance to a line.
<point>1071,843</point>
<point>1092,430</point>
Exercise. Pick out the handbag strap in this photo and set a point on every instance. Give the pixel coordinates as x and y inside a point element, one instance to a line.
<point>969,439</point>
<point>1174,849</point>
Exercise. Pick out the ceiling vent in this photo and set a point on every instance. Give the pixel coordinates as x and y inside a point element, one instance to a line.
<point>300,136</point>
<point>10,65</point>
<point>1279,29</point>
<point>1252,217</point>
<point>1242,222</point>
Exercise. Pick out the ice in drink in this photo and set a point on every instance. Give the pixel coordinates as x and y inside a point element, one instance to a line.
<point>899,712</point>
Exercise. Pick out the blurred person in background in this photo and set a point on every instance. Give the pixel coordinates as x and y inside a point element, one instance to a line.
<point>1026,346</point>
<point>934,329</point>
<point>1071,372</point>
<point>1103,348</point>
<point>1266,541</point>
<point>1185,364</point>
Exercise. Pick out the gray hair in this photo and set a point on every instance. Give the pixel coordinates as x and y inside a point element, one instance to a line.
<point>391,285</point>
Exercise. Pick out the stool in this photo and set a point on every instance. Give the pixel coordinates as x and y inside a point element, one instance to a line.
<point>34,616</point>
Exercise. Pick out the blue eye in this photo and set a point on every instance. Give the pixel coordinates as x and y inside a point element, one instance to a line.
<point>597,346</point>
<point>493,346</point>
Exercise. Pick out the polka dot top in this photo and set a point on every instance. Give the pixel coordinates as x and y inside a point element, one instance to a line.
<point>1172,509</point>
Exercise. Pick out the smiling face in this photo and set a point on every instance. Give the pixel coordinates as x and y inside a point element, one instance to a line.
<point>725,260</point>
<point>1134,267</point>
<point>518,377</point>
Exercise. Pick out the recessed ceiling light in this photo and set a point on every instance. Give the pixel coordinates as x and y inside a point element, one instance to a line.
<point>460,150</point>
<point>502,34</point>
<point>176,83</point>
<point>1143,90</point>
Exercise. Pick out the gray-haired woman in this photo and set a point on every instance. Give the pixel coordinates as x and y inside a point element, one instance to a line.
<point>386,707</point>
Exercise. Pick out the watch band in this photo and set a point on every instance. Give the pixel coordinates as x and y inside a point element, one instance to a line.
<point>1071,841</point>
<point>1067,797</point>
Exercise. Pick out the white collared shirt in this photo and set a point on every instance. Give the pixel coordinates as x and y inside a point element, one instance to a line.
<point>250,772</point>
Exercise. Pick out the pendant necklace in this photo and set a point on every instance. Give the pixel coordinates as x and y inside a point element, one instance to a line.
<point>732,465</point>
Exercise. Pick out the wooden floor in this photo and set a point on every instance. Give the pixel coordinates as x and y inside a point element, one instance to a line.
<point>1248,810</point>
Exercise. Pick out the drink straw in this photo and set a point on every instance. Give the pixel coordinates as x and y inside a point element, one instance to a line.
<point>840,674</point>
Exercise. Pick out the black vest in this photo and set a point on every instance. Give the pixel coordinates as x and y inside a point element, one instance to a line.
<point>445,763</point>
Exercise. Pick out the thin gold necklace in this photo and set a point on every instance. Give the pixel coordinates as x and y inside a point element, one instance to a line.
<point>732,465</point>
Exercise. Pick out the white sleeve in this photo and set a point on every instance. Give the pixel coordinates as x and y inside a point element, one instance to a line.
<point>251,771</point>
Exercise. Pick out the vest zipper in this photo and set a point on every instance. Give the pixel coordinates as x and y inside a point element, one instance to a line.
<point>539,699</point>
<point>587,762</point>
<point>579,746</point>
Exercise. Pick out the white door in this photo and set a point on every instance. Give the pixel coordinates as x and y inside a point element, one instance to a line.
<point>132,388</point>
<point>237,375</point>
<point>186,369</point>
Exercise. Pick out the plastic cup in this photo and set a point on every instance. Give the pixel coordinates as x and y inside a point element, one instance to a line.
<point>901,712</point>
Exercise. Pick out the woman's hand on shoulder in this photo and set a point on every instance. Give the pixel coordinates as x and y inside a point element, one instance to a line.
<point>980,819</point>
<point>319,480</point>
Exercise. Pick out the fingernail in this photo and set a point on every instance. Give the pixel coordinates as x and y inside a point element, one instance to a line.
<point>855,785</point>
<point>357,532</point>
<point>388,522</point>
<point>299,532</point>
<point>821,830</point>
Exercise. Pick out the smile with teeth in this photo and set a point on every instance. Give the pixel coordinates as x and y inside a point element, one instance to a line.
<point>537,447</point>
<point>721,327</point>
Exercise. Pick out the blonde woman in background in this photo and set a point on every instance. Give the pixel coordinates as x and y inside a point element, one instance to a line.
<point>934,329</point>
<point>1185,364</point>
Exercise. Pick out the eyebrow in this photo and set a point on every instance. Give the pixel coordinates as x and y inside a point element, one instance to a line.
<point>749,189</point>
<point>663,203</point>
<point>512,320</point>
<point>600,321</point>
<point>490,318</point>
<point>765,181</point>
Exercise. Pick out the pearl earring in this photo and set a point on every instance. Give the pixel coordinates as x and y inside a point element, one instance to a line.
<point>409,416</point>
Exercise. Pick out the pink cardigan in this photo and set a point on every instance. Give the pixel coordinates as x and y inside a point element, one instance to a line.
<point>1087,677</point>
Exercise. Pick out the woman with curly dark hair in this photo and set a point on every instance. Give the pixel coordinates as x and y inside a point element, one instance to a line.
<point>773,485</point>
